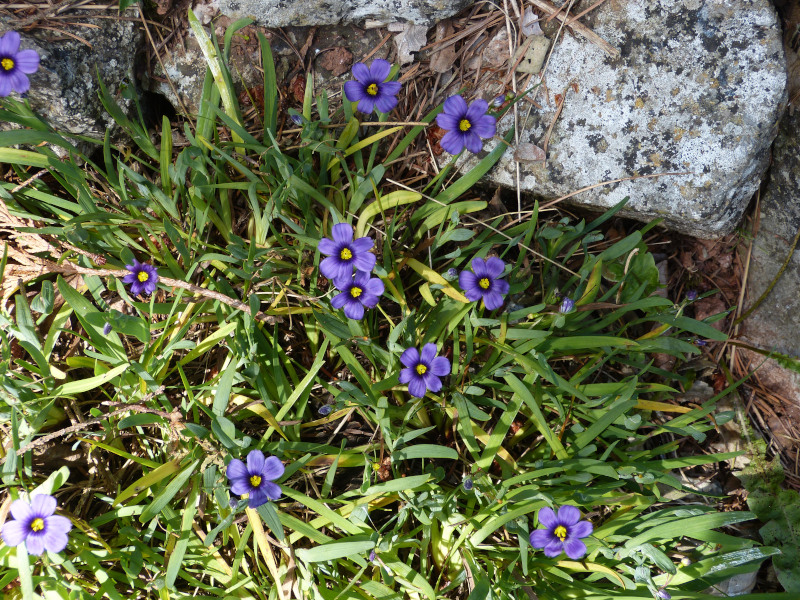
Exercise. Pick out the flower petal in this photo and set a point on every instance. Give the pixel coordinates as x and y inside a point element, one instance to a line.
<point>14,533</point>
<point>574,548</point>
<point>271,490</point>
<point>547,517</point>
<point>452,142</point>
<point>476,110</point>
<point>456,105</point>
<point>568,515</point>
<point>365,262</point>
<point>57,524</point>
<point>361,72</point>
<point>447,122</point>
<point>494,267</point>
<point>21,510</point>
<point>43,505</point>
<point>255,462</point>
<point>500,286</point>
<point>375,287</point>
<point>354,91</point>
<point>273,468</point>
<point>327,246</point>
<point>473,142</point>
<point>469,283</point>
<point>485,127</point>
<point>432,382</point>
<point>479,268</point>
<point>390,88</point>
<point>241,486</point>
<point>440,366</point>
<point>410,357</point>
<point>492,300</point>
<point>257,497</point>
<point>554,548</point>
<point>236,470</point>
<point>342,233</point>
<point>362,244</point>
<point>416,387</point>
<point>35,543</point>
<point>354,310</point>
<point>27,61</point>
<point>539,538</point>
<point>379,70</point>
<point>368,299</point>
<point>366,106</point>
<point>339,300</point>
<point>334,268</point>
<point>5,85</point>
<point>581,529</point>
<point>55,541</point>
<point>428,354</point>
<point>406,375</point>
<point>9,43</point>
<point>385,103</point>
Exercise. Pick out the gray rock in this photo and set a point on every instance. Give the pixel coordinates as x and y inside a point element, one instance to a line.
<point>698,86</point>
<point>280,13</point>
<point>774,324</point>
<point>65,88</point>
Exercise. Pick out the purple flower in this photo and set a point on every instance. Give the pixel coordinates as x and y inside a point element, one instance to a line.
<point>142,278</point>
<point>691,295</point>
<point>468,484</point>
<point>562,532</point>
<point>664,595</point>
<point>15,64</point>
<point>37,526</point>
<point>344,253</point>
<point>484,282</point>
<point>255,478</point>
<point>423,370</point>
<point>360,292</point>
<point>371,88</point>
<point>567,304</point>
<point>106,328</point>
<point>465,125</point>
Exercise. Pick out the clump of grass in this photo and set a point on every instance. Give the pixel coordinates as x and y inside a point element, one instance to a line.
<point>549,400</point>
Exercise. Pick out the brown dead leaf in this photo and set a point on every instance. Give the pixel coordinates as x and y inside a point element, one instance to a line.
<point>529,153</point>
<point>336,60</point>
<point>442,60</point>
<point>298,87</point>
<point>710,306</point>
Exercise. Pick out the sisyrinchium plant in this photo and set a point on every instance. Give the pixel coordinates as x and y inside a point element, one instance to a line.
<point>483,418</point>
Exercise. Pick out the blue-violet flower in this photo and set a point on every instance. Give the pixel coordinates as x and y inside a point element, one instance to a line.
<point>15,65</point>
<point>371,88</point>
<point>567,304</point>
<point>142,278</point>
<point>562,532</point>
<point>37,526</point>
<point>423,370</point>
<point>465,125</point>
<point>357,294</point>
<point>484,282</point>
<point>256,478</point>
<point>344,253</point>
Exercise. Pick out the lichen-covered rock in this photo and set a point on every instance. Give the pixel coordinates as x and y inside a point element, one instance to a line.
<point>65,88</point>
<point>280,13</point>
<point>698,87</point>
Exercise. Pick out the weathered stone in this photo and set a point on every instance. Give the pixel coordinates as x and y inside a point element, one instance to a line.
<point>279,13</point>
<point>775,323</point>
<point>698,87</point>
<point>65,88</point>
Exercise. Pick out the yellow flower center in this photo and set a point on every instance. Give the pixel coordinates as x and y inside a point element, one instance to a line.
<point>37,524</point>
<point>560,532</point>
<point>484,283</point>
<point>255,480</point>
<point>142,276</point>
<point>355,292</point>
<point>372,89</point>
<point>464,125</point>
<point>421,369</point>
<point>346,254</point>
<point>7,63</point>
